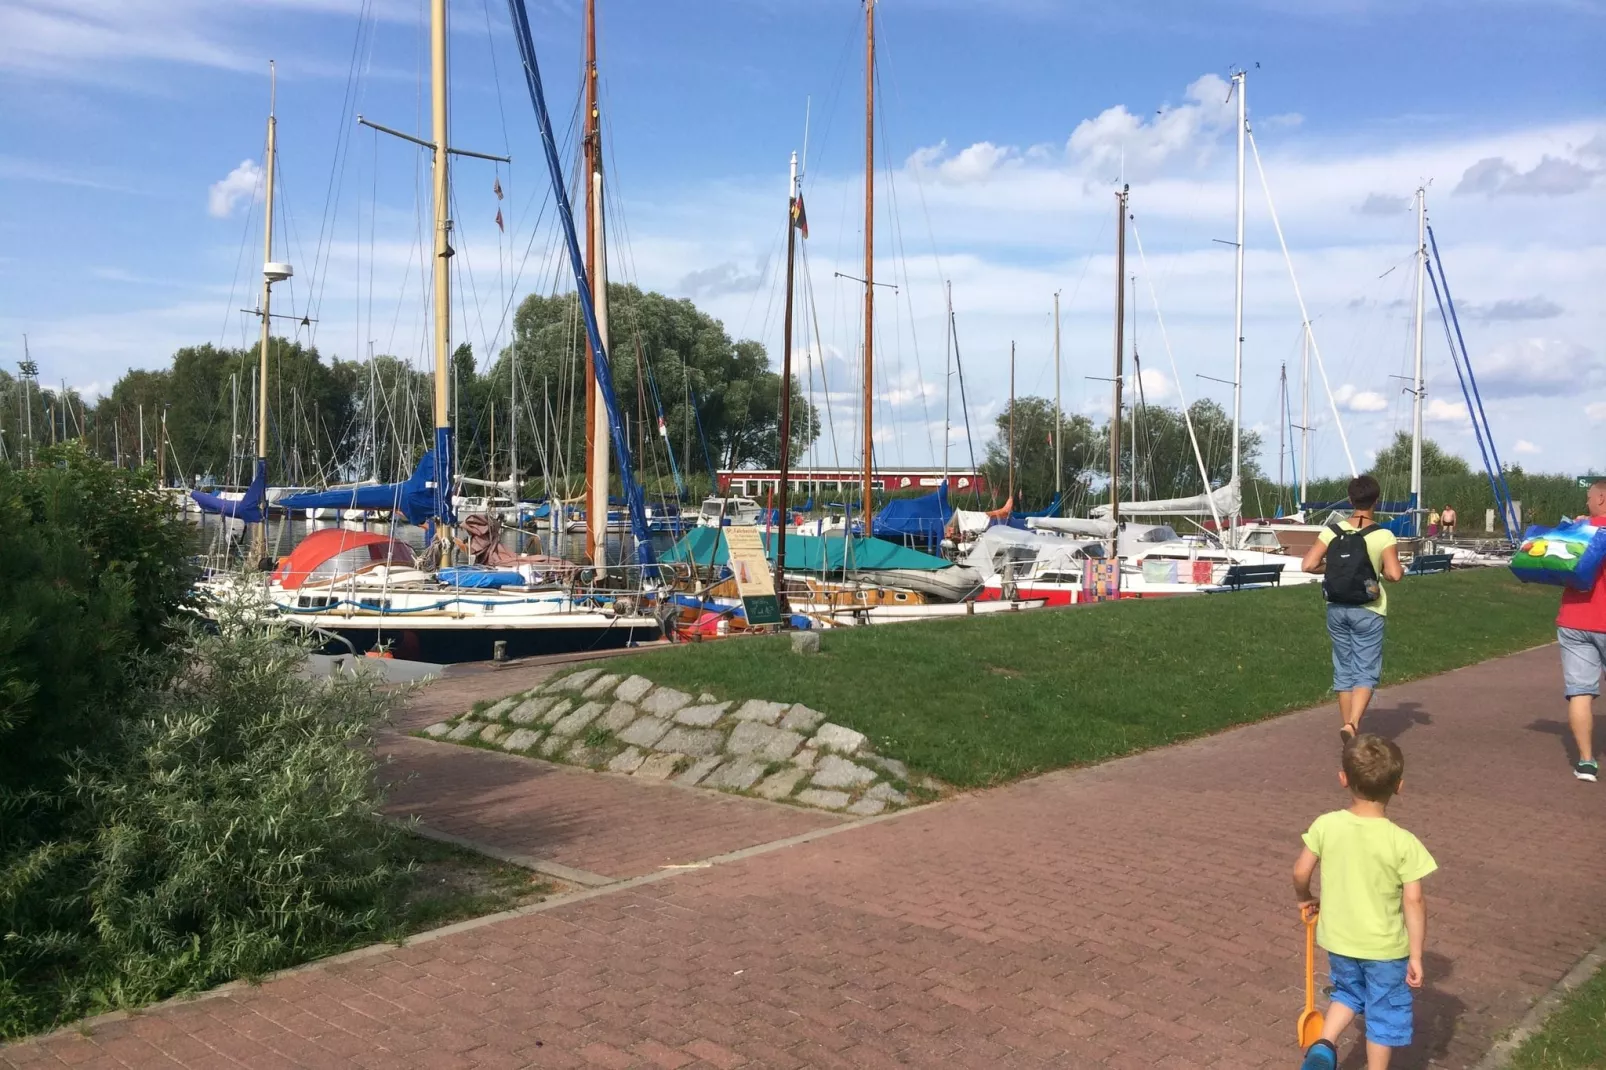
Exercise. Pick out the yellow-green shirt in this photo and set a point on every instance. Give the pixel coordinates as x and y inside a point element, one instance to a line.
<point>1366,864</point>
<point>1376,542</point>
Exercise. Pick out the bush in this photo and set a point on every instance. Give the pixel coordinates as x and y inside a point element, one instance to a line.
<point>230,831</point>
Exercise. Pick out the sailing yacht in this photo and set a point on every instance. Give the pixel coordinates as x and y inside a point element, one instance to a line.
<point>366,590</point>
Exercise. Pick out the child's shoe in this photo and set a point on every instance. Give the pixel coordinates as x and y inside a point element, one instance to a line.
<point>1320,1056</point>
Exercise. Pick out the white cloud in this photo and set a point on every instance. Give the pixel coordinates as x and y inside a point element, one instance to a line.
<point>1118,142</point>
<point>238,187</point>
<point>1524,446</point>
<point>1538,367</point>
<point>1552,176</point>
<point>1353,400</point>
<point>1158,389</point>
<point>1444,411</point>
<point>1596,410</point>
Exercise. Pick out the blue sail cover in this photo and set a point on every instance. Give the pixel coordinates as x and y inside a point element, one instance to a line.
<point>414,498</point>
<point>914,518</point>
<point>249,508</point>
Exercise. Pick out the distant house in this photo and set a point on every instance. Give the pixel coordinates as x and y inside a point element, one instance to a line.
<point>756,482</point>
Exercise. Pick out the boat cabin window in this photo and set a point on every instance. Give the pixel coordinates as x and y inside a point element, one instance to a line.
<point>1159,533</point>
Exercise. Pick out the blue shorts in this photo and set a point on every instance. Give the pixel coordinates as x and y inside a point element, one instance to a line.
<point>1357,646</point>
<point>1583,654</point>
<point>1375,988</point>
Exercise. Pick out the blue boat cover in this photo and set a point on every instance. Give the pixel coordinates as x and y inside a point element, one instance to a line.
<point>809,553</point>
<point>414,498</point>
<point>1052,510</point>
<point>249,508</point>
<point>921,518</point>
<point>479,577</point>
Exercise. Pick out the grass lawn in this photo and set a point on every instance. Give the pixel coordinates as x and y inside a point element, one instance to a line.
<point>981,700</point>
<point>1574,1038</point>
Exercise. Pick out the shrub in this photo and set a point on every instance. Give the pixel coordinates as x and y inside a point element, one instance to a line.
<point>231,830</point>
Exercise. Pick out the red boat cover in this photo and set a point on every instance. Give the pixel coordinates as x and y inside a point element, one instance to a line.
<point>335,552</point>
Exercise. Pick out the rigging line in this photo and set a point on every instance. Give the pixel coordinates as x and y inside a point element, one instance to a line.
<point>239,264</point>
<point>1304,313</point>
<point>819,346</point>
<point>1165,339</point>
<point>331,202</point>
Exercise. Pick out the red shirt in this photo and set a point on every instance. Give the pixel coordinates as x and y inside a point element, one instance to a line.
<point>1585,611</point>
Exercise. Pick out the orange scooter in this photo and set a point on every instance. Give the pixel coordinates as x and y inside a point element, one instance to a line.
<point>1311,1020</point>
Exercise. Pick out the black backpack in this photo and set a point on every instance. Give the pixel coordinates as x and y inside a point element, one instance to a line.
<point>1351,580</point>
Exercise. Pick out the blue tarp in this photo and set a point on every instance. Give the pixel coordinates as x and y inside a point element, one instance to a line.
<point>1052,510</point>
<point>809,553</point>
<point>414,498</point>
<point>914,518</point>
<point>249,508</point>
<point>478,577</point>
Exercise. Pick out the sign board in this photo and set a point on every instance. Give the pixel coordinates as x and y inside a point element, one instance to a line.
<point>1586,481</point>
<point>750,566</point>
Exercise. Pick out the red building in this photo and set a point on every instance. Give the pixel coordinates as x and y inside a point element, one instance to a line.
<point>845,482</point>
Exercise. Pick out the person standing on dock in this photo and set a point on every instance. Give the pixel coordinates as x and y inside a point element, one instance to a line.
<point>1447,519</point>
<point>1357,553</point>
<point>1581,631</point>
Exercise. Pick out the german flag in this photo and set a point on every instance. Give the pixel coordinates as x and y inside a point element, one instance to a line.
<point>799,219</point>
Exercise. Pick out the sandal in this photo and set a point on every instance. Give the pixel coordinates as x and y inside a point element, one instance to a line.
<point>1346,734</point>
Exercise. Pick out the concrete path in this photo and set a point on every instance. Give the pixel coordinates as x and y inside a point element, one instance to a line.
<point>1137,914</point>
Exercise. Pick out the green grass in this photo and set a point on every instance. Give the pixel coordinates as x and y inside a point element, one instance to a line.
<point>1574,1037</point>
<point>981,700</point>
<point>452,883</point>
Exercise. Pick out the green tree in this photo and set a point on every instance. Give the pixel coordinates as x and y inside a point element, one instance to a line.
<point>1034,427</point>
<point>1394,461</point>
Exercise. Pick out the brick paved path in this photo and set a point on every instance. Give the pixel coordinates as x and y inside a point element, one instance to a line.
<point>1133,915</point>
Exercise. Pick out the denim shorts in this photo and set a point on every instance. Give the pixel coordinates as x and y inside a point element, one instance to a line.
<point>1357,646</point>
<point>1375,988</point>
<point>1583,657</point>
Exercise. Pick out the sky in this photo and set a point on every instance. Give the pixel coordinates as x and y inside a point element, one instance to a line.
<point>131,150</point>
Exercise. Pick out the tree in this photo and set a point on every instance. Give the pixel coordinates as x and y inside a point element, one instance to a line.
<point>1394,462</point>
<point>1034,426</point>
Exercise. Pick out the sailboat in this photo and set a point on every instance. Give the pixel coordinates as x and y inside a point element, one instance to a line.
<point>367,590</point>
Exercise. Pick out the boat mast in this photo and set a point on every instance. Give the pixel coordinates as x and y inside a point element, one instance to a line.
<point>1059,452</point>
<point>786,384</point>
<point>869,251</point>
<point>270,274</point>
<point>1304,419</point>
<point>1120,342</point>
<point>1418,388</point>
<point>597,507</point>
<point>1238,302</point>
<point>947,382</point>
<point>596,521</point>
<point>442,225</point>
<point>1282,427</point>
<point>1010,501</point>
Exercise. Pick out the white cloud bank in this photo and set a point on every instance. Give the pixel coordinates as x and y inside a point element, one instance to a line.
<point>238,187</point>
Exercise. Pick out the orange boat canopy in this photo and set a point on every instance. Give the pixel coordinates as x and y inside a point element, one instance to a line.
<point>332,552</point>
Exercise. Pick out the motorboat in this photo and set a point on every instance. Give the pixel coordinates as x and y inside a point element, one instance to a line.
<point>728,512</point>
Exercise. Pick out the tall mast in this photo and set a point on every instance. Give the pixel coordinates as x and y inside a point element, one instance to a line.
<point>588,142</point>
<point>948,382</point>
<point>1059,452</point>
<point>234,429</point>
<point>1238,299</point>
<point>270,274</point>
<point>786,384</point>
<point>597,431</point>
<point>1282,426</point>
<point>869,251</point>
<point>1304,418</point>
<point>1418,391</point>
<point>442,225</point>
<point>1120,342</point>
<point>1010,501</point>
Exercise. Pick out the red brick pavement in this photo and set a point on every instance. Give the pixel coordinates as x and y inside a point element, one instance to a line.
<point>1137,914</point>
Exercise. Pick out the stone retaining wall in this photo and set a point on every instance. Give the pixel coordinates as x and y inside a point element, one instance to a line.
<point>775,750</point>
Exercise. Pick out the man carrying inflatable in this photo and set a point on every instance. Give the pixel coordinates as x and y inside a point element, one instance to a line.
<point>1581,631</point>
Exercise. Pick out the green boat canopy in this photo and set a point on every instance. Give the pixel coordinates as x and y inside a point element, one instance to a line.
<point>809,553</point>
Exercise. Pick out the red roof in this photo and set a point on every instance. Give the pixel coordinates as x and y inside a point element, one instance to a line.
<point>337,551</point>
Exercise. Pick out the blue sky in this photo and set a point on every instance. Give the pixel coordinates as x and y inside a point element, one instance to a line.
<point>1006,123</point>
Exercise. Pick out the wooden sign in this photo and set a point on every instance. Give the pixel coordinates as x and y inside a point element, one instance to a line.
<point>750,566</point>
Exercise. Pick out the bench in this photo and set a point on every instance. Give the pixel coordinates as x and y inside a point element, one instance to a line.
<point>1240,576</point>
<point>1427,564</point>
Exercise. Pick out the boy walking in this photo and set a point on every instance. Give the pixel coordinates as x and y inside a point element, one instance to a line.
<point>1357,554</point>
<point>1372,920</point>
<point>1581,631</point>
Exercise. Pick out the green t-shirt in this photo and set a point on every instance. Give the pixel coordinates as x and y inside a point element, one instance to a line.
<point>1377,541</point>
<point>1366,864</point>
